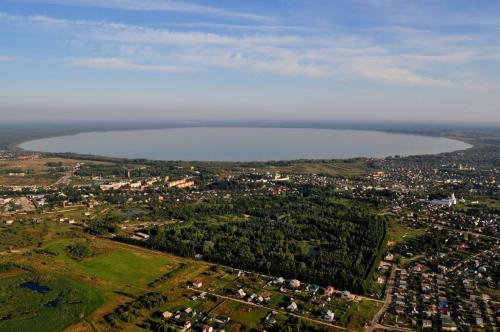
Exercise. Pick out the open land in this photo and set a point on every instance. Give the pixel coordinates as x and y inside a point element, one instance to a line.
<point>102,244</point>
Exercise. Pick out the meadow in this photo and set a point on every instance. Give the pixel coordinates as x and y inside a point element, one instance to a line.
<point>60,302</point>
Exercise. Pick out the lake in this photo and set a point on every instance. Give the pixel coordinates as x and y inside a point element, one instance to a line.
<point>36,287</point>
<point>245,144</point>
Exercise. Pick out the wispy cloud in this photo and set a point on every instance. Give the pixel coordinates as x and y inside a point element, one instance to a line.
<point>247,27</point>
<point>404,59</point>
<point>160,5</point>
<point>125,64</point>
<point>398,75</point>
<point>8,58</point>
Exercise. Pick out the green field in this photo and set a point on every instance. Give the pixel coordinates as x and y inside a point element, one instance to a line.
<point>361,313</point>
<point>118,265</point>
<point>400,233</point>
<point>86,289</point>
<point>332,168</point>
<point>66,302</point>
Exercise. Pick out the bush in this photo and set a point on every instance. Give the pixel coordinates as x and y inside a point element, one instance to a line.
<point>79,250</point>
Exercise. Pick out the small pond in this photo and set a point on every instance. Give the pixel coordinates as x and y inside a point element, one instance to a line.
<point>130,213</point>
<point>34,286</point>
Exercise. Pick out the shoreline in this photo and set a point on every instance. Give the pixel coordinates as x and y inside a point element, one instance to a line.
<point>470,141</point>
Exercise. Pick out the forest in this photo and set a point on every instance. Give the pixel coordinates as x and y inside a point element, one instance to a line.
<point>312,236</point>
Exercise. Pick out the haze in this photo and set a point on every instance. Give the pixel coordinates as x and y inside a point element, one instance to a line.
<point>384,60</point>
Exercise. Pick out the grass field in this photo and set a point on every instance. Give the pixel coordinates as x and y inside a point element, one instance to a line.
<point>117,265</point>
<point>39,172</point>
<point>361,313</point>
<point>28,234</point>
<point>400,233</point>
<point>247,315</point>
<point>65,302</point>
<point>334,168</point>
<point>91,287</point>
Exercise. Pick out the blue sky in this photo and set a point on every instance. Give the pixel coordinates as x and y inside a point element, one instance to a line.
<point>385,60</point>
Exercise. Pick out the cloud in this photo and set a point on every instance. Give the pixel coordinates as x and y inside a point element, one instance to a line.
<point>125,64</point>
<point>406,58</point>
<point>455,58</point>
<point>127,33</point>
<point>248,27</point>
<point>399,76</point>
<point>8,58</point>
<point>159,5</point>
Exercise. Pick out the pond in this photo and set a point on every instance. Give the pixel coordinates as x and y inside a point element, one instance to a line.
<point>34,286</point>
<point>130,213</point>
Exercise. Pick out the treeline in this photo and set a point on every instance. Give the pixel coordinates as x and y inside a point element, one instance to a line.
<point>278,235</point>
<point>129,312</point>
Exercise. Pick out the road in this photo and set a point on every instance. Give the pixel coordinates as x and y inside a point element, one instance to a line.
<point>389,286</point>
<point>66,179</point>
<point>317,321</point>
<point>452,269</point>
<point>245,302</point>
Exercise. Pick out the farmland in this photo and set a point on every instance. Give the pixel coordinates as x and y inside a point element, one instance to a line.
<point>84,292</point>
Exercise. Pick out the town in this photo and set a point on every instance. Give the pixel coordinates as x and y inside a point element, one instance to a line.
<point>430,262</point>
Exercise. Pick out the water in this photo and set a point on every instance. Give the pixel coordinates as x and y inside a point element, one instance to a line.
<point>245,144</point>
<point>131,213</point>
<point>34,286</point>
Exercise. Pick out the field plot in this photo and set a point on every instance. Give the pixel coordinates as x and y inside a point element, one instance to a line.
<point>337,168</point>
<point>77,282</point>
<point>35,172</point>
<point>32,302</point>
<point>22,235</point>
<point>118,265</point>
<point>401,233</point>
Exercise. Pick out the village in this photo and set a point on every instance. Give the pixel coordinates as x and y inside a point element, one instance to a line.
<point>439,270</point>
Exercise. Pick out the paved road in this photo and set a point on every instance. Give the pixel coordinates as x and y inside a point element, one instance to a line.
<point>238,300</point>
<point>391,328</point>
<point>389,286</point>
<point>452,269</point>
<point>66,179</point>
<point>274,309</point>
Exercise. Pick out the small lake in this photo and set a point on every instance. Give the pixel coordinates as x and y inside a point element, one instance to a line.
<point>36,287</point>
<point>131,213</point>
<point>245,144</point>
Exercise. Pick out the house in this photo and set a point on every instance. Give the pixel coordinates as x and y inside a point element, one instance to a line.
<point>167,315</point>
<point>280,280</point>
<point>187,325</point>
<point>9,222</point>
<point>207,328</point>
<point>313,288</point>
<point>328,291</point>
<point>347,295</point>
<point>142,236</point>
<point>197,283</point>
<point>448,325</point>
<point>400,310</point>
<point>292,306</point>
<point>389,257</point>
<point>241,293</point>
<point>183,183</point>
<point>329,316</point>
<point>294,283</point>
<point>222,319</point>
<point>188,310</point>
